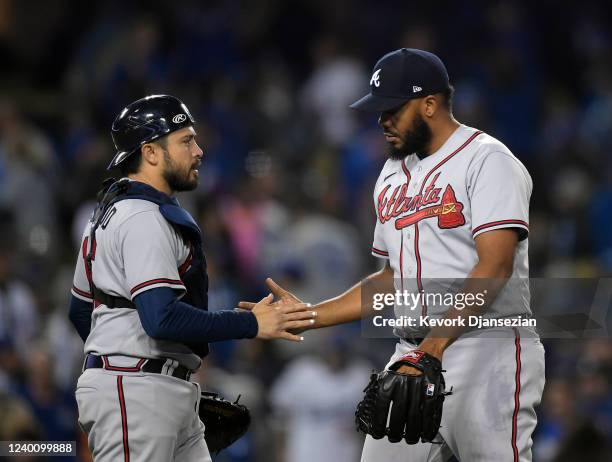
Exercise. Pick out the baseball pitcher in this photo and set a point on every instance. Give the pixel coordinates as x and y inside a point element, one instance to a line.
<point>452,204</point>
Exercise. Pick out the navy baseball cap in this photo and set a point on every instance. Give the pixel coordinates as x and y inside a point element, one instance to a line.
<point>403,75</point>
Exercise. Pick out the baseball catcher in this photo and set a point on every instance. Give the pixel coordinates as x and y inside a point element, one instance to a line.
<point>140,302</point>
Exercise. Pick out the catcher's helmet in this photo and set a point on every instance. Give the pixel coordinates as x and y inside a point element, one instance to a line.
<point>146,120</point>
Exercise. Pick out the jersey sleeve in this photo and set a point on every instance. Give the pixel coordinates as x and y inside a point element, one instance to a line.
<point>499,188</point>
<point>149,249</point>
<point>379,248</point>
<point>80,281</point>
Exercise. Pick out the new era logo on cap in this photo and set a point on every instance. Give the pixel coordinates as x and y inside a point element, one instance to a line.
<point>416,89</point>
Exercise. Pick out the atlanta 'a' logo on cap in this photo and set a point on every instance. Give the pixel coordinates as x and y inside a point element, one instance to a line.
<point>375,80</point>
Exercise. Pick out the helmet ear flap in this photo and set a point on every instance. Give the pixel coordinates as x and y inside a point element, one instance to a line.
<point>146,120</point>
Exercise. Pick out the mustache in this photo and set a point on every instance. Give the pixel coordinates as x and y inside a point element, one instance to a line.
<point>396,135</point>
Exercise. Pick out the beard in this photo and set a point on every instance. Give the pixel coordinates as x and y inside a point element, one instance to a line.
<point>414,141</point>
<point>178,179</point>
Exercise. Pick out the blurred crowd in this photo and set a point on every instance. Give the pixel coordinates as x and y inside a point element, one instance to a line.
<point>286,188</point>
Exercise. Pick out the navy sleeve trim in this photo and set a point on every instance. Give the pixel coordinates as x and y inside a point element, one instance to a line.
<point>165,317</point>
<point>80,316</point>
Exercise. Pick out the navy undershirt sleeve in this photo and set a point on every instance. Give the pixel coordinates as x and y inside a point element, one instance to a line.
<point>165,317</point>
<point>80,316</point>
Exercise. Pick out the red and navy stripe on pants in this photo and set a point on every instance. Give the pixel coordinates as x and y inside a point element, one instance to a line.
<point>124,423</point>
<point>517,391</point>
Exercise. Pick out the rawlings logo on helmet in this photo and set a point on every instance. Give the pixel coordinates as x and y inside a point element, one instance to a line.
<point>179,118</point>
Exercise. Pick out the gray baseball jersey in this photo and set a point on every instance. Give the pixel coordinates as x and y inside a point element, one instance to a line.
<point>428,213</point>
<point>136,250</point>
<point>430,210</point>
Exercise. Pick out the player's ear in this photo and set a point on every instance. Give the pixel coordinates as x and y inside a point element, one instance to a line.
<point>430,106</point>
<point>149,153</point>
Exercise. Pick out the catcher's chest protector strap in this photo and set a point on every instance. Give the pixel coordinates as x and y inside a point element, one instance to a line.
<point>195,280</point>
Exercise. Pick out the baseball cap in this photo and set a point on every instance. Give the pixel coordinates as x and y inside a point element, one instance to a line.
<point>403,75</point>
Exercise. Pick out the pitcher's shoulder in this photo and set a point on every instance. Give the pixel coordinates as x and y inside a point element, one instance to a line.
<point>485,146</point>
<point>485,143</point>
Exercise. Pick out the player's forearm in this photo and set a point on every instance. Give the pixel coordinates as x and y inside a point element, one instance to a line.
<point>339,310</point>
<point>163,317</point>
<point>486,282</point>
<point>349,306</point>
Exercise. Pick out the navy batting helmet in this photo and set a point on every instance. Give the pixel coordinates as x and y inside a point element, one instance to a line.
<point>146,120</point>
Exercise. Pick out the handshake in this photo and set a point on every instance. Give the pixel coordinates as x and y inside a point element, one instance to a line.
<point>282,319</point>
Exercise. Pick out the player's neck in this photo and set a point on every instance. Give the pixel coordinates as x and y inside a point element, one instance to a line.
<point>442,133</point>
<point>155,182</point>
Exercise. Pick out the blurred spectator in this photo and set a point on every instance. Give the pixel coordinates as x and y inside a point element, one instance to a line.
<point>314,402</point>
<point>337,81</point>
<point>53,408</point>
<point>19,318</point>
<point>29,166</point>
<point>18,422</point>
<point>586,443</point>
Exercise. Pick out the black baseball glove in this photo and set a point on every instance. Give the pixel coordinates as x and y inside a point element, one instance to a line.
<point>225,421</point>
<point>415,401</point>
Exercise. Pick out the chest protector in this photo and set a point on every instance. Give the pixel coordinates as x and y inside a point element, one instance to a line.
<point>196,277</point>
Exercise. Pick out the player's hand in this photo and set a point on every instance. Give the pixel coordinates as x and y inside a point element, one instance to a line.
<point>275,320</point>
<point>429,346</point>
<point>284,296</point>
<point>408,370</point>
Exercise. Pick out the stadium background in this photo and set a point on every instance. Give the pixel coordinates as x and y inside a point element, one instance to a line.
<point>287,183</point>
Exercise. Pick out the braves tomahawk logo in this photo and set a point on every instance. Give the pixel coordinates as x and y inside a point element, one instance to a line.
<point>448,210</point>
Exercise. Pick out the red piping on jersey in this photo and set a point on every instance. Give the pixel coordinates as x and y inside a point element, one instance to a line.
<point>380,252</point>
<point>401,262</point>
<point>185,266</point>
<point>93,256</point>
<point>416,225</point>
<point>156,281</point>
<point>406,172</point>
<point>517,390</point>
<point>81,292</point>
<point>135,368</point>
<point>417,255</point>
<point>500,222</point>
<point>124,424</point>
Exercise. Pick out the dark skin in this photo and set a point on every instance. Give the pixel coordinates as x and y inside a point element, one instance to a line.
<point>495,249</point>
<point>397,123</point>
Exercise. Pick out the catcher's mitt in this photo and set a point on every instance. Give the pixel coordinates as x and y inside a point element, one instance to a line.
<point>417,401</point>
<point>225,421</point>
